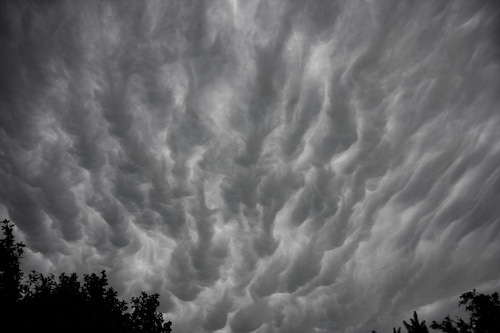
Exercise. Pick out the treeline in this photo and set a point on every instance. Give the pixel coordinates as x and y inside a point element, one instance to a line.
<point>483,317</point>
<point>67,303</point>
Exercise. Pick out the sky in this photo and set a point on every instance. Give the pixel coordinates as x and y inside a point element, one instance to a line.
<point>264,165</point>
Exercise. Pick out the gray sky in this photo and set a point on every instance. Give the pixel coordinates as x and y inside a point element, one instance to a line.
<point>266,166</point>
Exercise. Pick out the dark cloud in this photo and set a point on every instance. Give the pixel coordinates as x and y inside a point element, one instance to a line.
<point>266,166</point>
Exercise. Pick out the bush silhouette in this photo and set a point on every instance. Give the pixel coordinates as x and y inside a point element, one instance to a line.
<point>42,303</point>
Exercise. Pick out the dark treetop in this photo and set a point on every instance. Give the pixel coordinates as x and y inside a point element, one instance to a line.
<point>483,317</point>
<point>67,303</point>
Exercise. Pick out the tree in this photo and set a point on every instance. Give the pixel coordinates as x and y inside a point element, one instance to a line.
<point>10,271</point>
<point>100,297</point>
<point>394,330</point>
<point>415,326</point>
<point>484,315</point>
<point>145,318</point>
<point>452,326</point>
<point>64,303</point>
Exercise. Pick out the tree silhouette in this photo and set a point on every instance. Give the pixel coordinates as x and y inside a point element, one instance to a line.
<point>63,304</point>
<point>415,326</point>
<point>394,330</point>
<point>42,303</point>
<point>452,326</point>
<point>484,315</point>
<point>144,317</point>
<point>10,271</point>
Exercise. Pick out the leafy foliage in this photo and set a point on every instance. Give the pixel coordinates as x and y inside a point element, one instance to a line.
<point>42,303</point>
<point>144,317</point>
<point>415,326</point>
<point>484,315</point>
<point>10,271</point>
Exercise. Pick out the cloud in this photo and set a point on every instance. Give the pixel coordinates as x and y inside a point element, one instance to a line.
<point>265,166</point>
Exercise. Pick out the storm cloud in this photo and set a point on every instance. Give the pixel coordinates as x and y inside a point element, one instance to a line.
<point>264,165</point>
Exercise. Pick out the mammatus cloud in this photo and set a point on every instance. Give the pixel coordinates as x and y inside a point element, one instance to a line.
<point>267,166</point>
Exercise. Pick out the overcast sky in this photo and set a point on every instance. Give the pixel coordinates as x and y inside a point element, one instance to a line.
<point>266,166</point>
